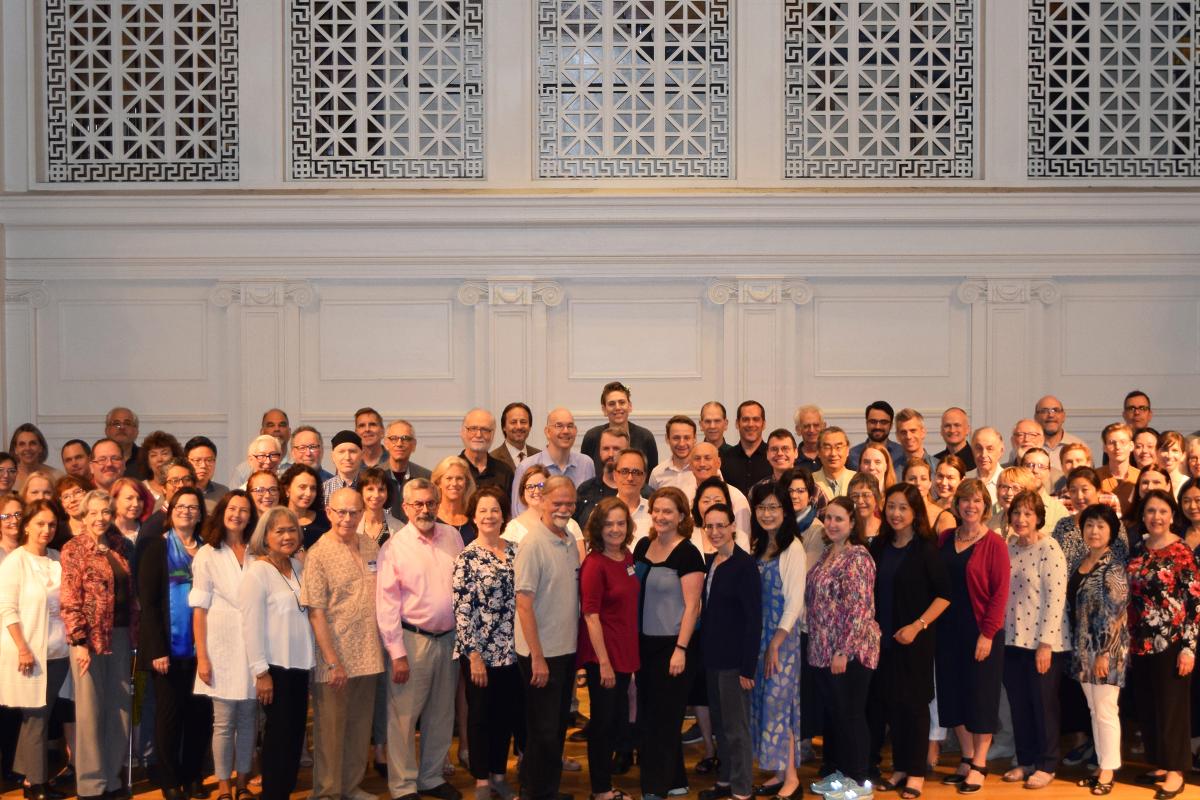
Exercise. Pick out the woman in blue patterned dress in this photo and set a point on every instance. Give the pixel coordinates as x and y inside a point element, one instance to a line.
<point>775,703</point>
<point>484,614</point>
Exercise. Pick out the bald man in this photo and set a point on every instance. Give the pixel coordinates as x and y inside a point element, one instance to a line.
<point>478,431</point>
<point>557,458</point>
<point>1051,414</point>
<point>706,462</point>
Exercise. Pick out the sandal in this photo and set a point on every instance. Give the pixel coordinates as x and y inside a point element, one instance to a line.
<point>956,776</point>
<point>909,793</point>
<point>707,765</point>
<point>1099,788</point>
<point>972,788</point>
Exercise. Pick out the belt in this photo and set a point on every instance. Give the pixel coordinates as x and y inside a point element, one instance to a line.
<point>424,632</point>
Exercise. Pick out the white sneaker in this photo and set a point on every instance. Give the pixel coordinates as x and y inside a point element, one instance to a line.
<point>361,794</point>
<point>833,782</point>
<point>853,791</point>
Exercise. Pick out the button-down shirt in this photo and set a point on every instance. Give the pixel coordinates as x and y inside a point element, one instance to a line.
<point>667,474</point>
<point>495,473</point>
<point>741,470</point>
<point>517,454</point>
<point>336,482</point>
<point>416,583</point>
<point>340,579</point>
<point>579,469</point>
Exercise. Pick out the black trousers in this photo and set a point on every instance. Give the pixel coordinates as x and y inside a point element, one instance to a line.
<point>610,714</point>
<point>1164,708</point>
<point>547,709</point>
<point>1033,699</point>
<point>661,702</point>
<point>812,710</point>
<point>894,709</point>
<point>846,737</point>
<point>284,723</point>
<point>494,712</point>
<point>183,724</point>
<point>10,731</point>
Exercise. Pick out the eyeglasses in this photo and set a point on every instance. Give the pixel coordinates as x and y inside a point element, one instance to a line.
<point>120,424</point>
<point>188,509</point>
<point>1027,434</point>
<point>1056,410</point>
<point>476,430</point>
<point>421,503</point>
<point>186,480</point>
<point>72,495</point>
<point>564,426</point>
<point>720,526</point>
<point>202,462</point>
<point>107,460</point>
<point>9,471</point>
<point>798,490</point>
<point>14,515</point>
<point>268,456</point>
<point>264,490</point>
<point>401,439</point>
<point>770,508</point>
<point>306,448</point>
<point>343,513</point>
<point>534,487</point>
<point>631,473</point>
<point>1138,409</point>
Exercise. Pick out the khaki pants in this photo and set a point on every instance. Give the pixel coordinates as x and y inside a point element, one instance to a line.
<point>428,696</point>
<point>341,734</point>
<point>102,705</point>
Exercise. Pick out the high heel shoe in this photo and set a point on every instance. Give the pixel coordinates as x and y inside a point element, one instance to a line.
<point>972,788</point>
<point>956,776</point>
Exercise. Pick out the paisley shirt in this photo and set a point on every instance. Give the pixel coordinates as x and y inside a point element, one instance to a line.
<point>1101,622</point>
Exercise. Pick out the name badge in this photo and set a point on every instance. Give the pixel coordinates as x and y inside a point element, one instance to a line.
<point>630,571</point>
<point>372,567</point>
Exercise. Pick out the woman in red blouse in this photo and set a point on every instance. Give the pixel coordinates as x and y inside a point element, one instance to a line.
<point>99,610</point>
<point>1164,622</point>
<point>843,641</point>
<point>608,639</point>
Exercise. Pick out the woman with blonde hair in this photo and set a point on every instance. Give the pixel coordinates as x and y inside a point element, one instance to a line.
<point>876,461</point>
<point>452,477</point>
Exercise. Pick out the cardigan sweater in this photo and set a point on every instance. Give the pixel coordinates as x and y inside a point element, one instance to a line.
<point>988,575</point>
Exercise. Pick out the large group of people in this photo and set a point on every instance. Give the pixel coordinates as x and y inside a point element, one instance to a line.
<point>783,586</point>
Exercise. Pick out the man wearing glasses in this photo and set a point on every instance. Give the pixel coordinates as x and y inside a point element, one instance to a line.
<point>415,611</point>
<point>201,453</point>
<point>338,588</point>
<point>478,431</point>
<point>308,448</point>
<point>401,441</point>
<point>262,454</point>
<point>179,473</point>
<point>121,426</point>
<point>1051,415</point>
<point>833,479</point>
<point>557,458</point>
<point>592,491</point>
<point>274,424</point>
<point>108,464</point>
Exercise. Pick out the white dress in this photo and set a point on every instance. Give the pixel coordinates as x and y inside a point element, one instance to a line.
<point>216,581</point>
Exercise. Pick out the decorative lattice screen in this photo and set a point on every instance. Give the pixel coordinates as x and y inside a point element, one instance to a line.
<point>385,89</point>
<point>633,89</point>
<point>880,88</point>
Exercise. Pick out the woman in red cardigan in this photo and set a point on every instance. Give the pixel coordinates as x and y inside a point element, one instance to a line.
<point>970,640</point>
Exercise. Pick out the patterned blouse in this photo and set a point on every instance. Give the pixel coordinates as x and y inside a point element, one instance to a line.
<point>485,605</point>
<point>87,589</point>
<point>1037,596</point>
<point>840,597</point>
<point>342,583</point>
<point>1101,622</point>
<point>1164,599</point>
<point>1070,539</point>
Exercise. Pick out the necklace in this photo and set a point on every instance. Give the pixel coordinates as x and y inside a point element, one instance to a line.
<point>969,538</point>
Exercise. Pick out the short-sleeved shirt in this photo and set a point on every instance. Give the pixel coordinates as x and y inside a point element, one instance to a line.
<point>610,589</point>
<point>336,581</point>
<point>662,587</point>
<point>547,566</point>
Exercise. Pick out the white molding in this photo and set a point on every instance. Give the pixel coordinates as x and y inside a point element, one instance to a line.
<point>1007,291</point>
<point>511,292</point>
<point>35,294</point>
<point>263,293</point>
<point>759,291</point>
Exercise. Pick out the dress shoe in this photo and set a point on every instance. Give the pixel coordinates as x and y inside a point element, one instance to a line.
<point>122,793</point>
<point>717,792</point>
<point>196,790</point>
<point>173,793</point>
<point>443,791</point>
<point>621,763</point>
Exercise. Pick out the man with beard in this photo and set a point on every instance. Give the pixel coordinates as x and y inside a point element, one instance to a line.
<point>593,490</point>
<point>478,430</point>
<point>415,610</point>
<point>677,470</point>
<point>879,417</point>
<point>547,589</point>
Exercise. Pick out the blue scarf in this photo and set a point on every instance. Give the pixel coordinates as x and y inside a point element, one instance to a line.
<point>179,585</point>
<point>805,520</point>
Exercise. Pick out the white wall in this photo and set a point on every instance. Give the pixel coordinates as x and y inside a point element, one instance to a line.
<point>200,306</point>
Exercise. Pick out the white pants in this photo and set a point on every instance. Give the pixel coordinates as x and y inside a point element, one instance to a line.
<point>1106,724</point>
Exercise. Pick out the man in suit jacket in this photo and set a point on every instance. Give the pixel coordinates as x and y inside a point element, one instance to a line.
<point>515,423</point>
<point>401,440</point>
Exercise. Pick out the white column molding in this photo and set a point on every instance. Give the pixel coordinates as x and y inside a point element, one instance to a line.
<point>511,292</point>
<point>18,362</point>
<point>760,291</point>
<point>1007,290</point>
<point>34,294</point>
<point>511,356</point>
<point>263,293</point>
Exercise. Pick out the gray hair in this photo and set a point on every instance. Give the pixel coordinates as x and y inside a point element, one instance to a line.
<point>421,485</point>
<point>258,539</point>
<point>265,438</point>
<point>97,494</point>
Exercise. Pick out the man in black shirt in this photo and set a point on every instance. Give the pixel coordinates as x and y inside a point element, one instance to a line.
<point>745,463</point>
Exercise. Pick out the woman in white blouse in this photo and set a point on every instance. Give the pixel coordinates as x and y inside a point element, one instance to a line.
<point>279,646</point>
<point>222,672</point>
<point>33,644</point>
<point>1035,638</point>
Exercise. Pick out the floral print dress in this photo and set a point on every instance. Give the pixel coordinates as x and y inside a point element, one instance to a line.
<point>1164,599</point>
<point>775,703</point>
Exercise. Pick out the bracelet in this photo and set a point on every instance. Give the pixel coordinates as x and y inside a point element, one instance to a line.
<point>924,625</point>
<point>682,647</point>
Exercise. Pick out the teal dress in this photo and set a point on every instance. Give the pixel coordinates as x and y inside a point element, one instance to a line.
<point>775,703</point>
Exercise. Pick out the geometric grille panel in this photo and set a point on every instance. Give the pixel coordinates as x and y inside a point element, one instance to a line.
<point>385,89</point>
<point>633,89</point>
<point>1114,89</point>
<point>879,88</point>
<point>141,90</point>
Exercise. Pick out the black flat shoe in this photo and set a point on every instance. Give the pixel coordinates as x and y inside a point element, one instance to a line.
<point>1150,778</point>
<point>1163,794</point>
<point>768,789</point>
<point>972,788</point>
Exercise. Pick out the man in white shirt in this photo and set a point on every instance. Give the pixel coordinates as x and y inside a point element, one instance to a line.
<point>677,470</point>
<point>987,445</point>
<point>629,471</point>
<point>706,462</point>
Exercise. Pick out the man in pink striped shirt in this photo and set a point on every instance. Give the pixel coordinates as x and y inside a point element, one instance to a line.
<point>415,609</point>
